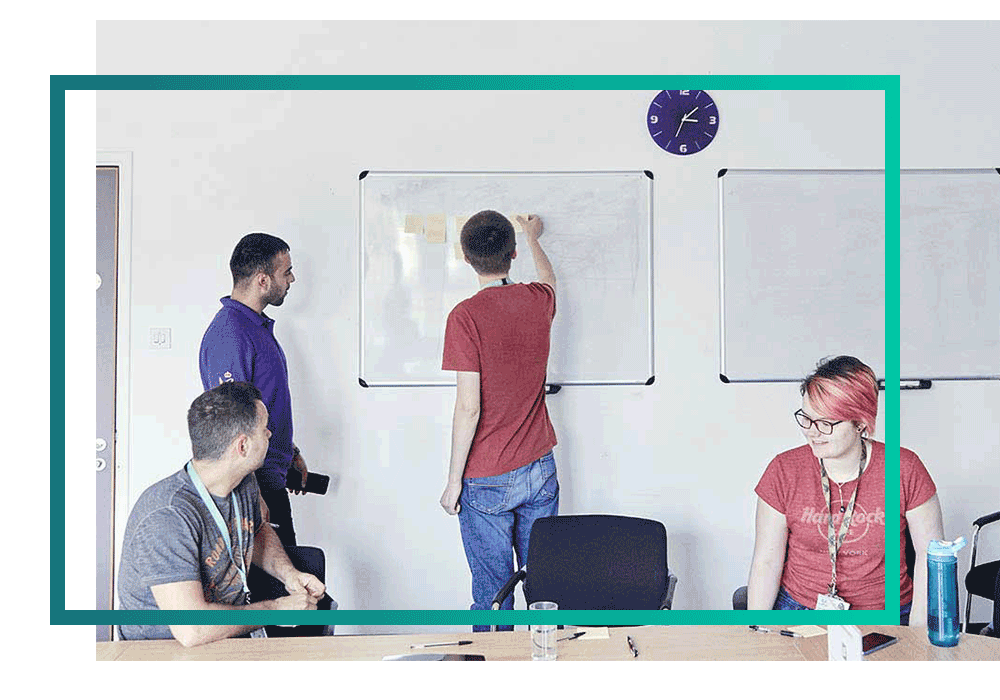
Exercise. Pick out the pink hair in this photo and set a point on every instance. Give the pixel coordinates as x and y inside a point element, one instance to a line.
<point>844,388</point>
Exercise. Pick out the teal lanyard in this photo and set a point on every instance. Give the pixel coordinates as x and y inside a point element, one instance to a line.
<point>217,516</point>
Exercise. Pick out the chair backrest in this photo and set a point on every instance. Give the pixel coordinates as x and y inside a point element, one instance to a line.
<point>263,586</point>
<point>740,598</point>
<point>597,562</point>
<point>910,553</point>
<point>311,560</point>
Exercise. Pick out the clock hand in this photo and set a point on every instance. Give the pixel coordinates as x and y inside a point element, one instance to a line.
<point>685,119</point>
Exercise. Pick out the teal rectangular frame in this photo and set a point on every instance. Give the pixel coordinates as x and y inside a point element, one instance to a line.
<point>60,84</point>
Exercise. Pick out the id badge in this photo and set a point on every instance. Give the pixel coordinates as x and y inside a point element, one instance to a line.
<point>831,602</point>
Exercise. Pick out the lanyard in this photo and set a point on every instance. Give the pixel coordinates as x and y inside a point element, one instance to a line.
<point>835,541</point>
<point>497,283</point>
<point>223,528</point>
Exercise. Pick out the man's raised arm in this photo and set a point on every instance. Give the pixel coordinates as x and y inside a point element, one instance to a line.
<point>533,229</point>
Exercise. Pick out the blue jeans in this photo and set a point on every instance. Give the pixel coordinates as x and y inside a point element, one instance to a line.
<point>786,602</point>
<point>496,518</point>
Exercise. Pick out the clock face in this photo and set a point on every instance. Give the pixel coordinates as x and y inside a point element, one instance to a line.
<point>683,122</point>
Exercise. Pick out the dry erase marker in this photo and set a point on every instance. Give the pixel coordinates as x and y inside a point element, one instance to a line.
<point>758,628</point>
<point>789,633</point>
<point>572,636</point>
<point>441,644</point>
<point>631,645</point>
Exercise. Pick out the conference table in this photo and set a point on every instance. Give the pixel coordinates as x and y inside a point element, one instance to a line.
<point>654,643</point>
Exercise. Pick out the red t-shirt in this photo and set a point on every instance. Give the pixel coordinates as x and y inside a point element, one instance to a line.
<point>791,485</point>
<point>503,333</point>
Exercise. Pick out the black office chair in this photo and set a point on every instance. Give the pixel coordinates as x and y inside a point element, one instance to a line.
<point>596,562</point>
<point>263,586</point>
<point>911,555</point>
<point>981,577</point>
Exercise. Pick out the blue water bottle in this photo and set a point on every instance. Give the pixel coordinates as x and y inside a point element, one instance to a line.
<point>942,592</point>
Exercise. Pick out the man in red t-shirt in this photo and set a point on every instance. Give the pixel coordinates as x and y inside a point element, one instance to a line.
<point>503,474</point>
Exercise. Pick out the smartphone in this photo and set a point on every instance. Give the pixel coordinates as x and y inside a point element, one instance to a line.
<point>315,483</point>
<point>873,641</point>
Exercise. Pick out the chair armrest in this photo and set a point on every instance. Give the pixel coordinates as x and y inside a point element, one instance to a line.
<point>986,519</point>
<point>508,587</point>
<point>668,599</point>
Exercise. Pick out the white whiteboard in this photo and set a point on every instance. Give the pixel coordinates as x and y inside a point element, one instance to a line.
<point>802,267</point>
<point>598,236</point>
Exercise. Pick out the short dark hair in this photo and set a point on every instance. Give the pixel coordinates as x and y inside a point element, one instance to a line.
<point>255,253</point>
<point>488,242</point>
<point>219,416</point>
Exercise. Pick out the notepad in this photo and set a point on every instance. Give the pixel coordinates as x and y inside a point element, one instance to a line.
<point>808,630</point>
<point>593,632</point>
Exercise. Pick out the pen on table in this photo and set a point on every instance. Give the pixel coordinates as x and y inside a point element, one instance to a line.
<point>441,644</point>
<point>632,646</point>
<point>572,636</point>
<point>784,633</point>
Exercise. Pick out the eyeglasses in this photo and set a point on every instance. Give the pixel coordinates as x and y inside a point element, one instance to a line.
<point>824,426</point>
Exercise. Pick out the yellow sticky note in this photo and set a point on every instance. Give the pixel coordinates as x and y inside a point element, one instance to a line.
<point>414,223</point>
<point>517,226</point>
<point>460,224</point>
<point>808,630</point>
<point>435,228</point>
<point>459,255</point>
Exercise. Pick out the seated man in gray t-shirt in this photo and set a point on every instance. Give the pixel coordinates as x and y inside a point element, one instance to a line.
<point>191,537</point>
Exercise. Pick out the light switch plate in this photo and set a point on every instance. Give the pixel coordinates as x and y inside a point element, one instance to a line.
<point>159,338</point>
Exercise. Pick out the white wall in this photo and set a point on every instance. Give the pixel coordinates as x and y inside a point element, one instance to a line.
<point>688,450</point>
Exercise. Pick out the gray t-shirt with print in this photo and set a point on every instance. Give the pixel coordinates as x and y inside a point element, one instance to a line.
<point>171,536</point>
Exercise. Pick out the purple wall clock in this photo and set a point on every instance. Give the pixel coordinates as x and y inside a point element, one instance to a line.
<point>683,122</point>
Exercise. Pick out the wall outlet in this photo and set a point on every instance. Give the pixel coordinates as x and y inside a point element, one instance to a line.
<point>159,338</point>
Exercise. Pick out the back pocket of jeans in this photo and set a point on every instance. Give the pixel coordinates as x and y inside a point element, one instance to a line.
<point>486,498</point>
<point>550,487</point>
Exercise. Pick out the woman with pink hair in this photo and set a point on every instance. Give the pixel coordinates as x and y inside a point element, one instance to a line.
<point>820,524</point>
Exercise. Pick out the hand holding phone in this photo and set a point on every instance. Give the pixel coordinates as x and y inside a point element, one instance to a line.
<point>315,483</point>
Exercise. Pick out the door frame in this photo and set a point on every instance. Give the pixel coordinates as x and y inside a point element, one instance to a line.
<point>121,159</point>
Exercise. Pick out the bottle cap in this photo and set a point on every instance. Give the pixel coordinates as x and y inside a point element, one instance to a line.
<point>941,548</point>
